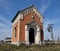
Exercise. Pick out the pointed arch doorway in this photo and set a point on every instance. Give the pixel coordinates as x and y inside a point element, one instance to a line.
<point>31,36</point>
<point>32,33</point>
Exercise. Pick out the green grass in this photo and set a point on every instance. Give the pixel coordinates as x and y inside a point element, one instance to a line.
<point>6,47</point>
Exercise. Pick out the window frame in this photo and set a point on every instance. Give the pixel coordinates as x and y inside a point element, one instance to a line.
<point>15,30</point>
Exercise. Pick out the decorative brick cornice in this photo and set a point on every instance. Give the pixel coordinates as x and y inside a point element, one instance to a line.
<point>26,11</point>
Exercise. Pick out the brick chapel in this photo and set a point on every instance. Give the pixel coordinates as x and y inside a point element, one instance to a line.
<point>27,27</point>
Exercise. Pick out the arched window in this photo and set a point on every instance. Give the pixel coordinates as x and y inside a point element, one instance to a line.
<point>15,32</point>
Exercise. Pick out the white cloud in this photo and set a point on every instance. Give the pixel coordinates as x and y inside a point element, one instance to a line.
<point>45,4</point>
<point>53,21</point>
<point>2,25</point>
<point>5,23</point>
<point>5,27</point>
<point>5,33</point>
<point>4,20</point>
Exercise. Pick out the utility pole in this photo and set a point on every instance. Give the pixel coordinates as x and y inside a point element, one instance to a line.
<point>50,29</point>
<point>58,39</point>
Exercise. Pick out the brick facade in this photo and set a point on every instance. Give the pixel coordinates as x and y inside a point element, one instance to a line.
<point>27,18</point>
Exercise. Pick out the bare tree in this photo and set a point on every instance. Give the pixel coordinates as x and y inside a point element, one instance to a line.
<point>50,29</point>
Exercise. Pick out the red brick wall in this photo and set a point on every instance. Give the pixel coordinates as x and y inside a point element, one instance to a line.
<point>27,18</point>
<point>15,39</point>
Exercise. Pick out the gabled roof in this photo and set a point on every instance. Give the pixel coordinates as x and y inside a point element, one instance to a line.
<point>15,16</point>
<point>32,6</point>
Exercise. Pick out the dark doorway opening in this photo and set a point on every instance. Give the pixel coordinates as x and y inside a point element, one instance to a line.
<point>31,36</point>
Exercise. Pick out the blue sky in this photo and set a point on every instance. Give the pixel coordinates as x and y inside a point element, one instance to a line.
<point>50,9</point>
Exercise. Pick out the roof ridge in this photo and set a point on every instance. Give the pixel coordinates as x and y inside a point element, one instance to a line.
<point>27,7</point>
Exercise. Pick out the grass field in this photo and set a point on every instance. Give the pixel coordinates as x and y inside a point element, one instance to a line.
<point>6,47</point>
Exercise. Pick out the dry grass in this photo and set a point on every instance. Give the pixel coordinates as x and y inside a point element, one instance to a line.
<point>6,47</point>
